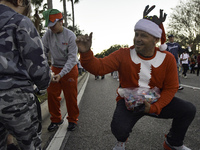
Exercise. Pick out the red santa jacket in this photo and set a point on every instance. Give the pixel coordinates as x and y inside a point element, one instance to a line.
<point>136,71</point>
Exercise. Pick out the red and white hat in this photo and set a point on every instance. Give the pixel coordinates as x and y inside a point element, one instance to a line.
<point>153,25</point>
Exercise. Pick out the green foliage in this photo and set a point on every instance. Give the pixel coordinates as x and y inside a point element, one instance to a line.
<point>75,1</point>
<point>76,29</point>
<point>37,17</point>
<point>36,2</point>
<point>42,98</point>
<point>110,50</point>
<point>185,23</point>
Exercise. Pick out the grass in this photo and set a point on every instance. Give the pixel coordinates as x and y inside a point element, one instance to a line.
<point>42,98</point>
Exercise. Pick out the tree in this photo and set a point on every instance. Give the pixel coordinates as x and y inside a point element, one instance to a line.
<point>37,20</point>
<point>110,50</point>
<point>65,12</point>
<point>73,16</point>
<point>77,31</point>
<point>49,4</point>
<point>184,23</point>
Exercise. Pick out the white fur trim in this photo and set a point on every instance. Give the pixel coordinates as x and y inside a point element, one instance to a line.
<point>146,66</point>
<point>149,27</point>
<point>163,47</point>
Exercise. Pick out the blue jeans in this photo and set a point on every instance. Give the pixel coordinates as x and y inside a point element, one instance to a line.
<point>124,120</point>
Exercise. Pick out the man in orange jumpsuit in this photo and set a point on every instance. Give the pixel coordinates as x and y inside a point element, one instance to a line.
<point>60,41</point>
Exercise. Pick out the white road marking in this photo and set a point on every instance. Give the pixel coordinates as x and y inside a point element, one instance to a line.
<point>192,87</point>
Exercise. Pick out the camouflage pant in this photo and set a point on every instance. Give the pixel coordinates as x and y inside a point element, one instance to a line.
<point>20,115</point>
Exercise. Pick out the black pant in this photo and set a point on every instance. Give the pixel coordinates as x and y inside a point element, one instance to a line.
<point>192,68</point>
<point>182,113</point>
<point>198,69</point>
<point>185,68</point>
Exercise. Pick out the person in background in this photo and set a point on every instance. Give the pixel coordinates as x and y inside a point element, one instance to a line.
<point>102,77</point>
<point>198,63</point>
<point>184,58</point>
<point>115,75</point>
<point>22,64</point>
<point>192,63</point>
<point>80,68</point>
<point>97,77</point>
<point>175,49</point>
<point>60,42</point>
<point>143,65</point>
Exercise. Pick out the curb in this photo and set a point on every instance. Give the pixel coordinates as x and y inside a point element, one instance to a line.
<point>44,105</point>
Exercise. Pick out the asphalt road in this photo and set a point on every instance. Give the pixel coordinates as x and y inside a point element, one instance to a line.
<point>96,109</point>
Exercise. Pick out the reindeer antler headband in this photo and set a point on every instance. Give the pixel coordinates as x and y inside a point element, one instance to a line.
<point>154,18</point>
<point>152,24</point>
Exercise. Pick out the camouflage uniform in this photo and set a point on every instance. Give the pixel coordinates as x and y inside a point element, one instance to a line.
<point>22,64</point>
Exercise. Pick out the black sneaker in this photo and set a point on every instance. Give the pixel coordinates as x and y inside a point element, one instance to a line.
<point>12,147</point>
<point>71,126</point>
<point>54,126</point>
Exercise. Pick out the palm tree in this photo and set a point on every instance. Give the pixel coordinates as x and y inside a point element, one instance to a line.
<point>36,18</point>
<point>49,4</point>
<point>73,16</point>
<point>65,12</point>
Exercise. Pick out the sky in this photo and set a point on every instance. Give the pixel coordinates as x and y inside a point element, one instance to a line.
<point>112,21</point>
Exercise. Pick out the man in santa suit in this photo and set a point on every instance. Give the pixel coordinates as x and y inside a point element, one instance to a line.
<point>143,65</point>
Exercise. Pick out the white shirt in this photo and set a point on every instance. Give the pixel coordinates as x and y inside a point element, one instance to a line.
<point>184,56</point>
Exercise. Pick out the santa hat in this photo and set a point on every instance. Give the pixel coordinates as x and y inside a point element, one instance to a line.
<point>52,16</point>
<point>153,25</point>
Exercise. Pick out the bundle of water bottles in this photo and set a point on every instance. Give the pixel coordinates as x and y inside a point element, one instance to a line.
<point>136,96</point>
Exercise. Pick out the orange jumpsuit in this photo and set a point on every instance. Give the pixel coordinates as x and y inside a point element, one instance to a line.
<point>68,83</point>
<point>63,49</point>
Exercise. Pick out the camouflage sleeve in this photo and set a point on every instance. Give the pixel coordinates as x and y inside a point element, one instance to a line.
<point>32,53</point>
